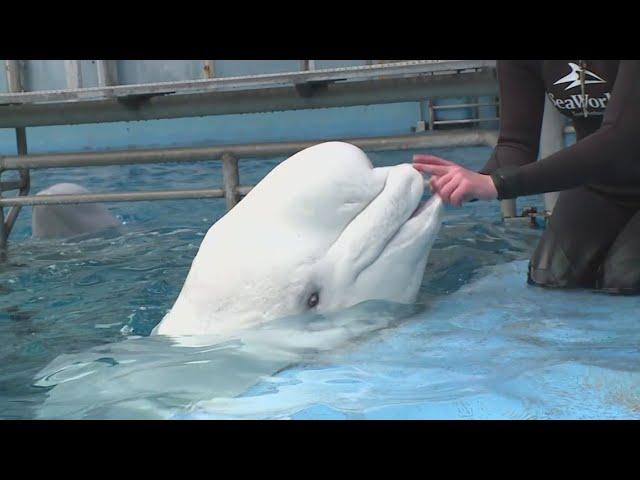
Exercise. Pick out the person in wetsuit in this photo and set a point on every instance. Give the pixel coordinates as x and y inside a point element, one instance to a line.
<point>592,239</point>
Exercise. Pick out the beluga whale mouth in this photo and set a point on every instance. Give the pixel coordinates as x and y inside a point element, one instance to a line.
<point>324,230</point>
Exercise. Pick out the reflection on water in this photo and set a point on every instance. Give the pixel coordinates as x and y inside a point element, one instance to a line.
<point>479,343</point>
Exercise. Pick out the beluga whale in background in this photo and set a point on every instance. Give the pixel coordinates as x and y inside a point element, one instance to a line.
<point>63,221</point>
<point>323,231</point>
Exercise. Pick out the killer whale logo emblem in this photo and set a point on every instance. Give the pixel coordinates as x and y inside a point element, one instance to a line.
<point>574,77</point>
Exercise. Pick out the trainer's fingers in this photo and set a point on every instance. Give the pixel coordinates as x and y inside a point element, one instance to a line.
<point>459,195</point>
<point>440,181</point>
<point>447,189</point>
<point>432,169</point>
<point>432,160</point>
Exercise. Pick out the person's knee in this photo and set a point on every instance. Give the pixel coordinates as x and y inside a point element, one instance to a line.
<point>621,276</point>
<point>551,267</point>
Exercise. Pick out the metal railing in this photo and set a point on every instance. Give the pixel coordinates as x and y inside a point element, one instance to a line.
<point>336,87</point>
<point>228,154</point>
<point>376,83</point>
<point>231,190</point>
<point>474,119</point>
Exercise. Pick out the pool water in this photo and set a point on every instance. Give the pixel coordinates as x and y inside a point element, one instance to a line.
<point>479,343</point>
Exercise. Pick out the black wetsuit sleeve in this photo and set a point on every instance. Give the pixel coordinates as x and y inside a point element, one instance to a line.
<point>610,156</point>
<point>522,96</point>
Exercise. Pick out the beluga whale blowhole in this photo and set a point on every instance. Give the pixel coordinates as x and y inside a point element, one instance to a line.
<point>324,230</point>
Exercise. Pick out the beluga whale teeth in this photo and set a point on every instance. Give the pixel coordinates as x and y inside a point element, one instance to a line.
<point>324,230</point>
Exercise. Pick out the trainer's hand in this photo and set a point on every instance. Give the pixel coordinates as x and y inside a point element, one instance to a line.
<point>454,183</point>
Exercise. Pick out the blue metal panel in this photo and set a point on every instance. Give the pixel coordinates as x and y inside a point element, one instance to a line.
<point>89,73</point>
<point>150,71</point>
<point>44,75</point>
<point>488,112</point>
<point>361,121</point>
<point>234,68</point>
<point>453,113</point>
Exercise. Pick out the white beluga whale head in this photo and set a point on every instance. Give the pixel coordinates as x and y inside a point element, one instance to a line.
<point>324,230</point>
<point>62,221</point>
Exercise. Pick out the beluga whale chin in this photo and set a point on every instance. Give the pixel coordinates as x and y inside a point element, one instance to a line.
<point>323,231</point>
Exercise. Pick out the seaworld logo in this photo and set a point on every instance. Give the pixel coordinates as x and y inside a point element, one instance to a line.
<point>579,102</point>
<point>574,77</point>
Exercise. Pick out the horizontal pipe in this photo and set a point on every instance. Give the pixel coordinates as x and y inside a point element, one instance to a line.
<point>78,198</point>
<point>466,105</point>
<point>112,197</point>
<point>194,154</point>
<point>339,94</point>
<point>466,120</point>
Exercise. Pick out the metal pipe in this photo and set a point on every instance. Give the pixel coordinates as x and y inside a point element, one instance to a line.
<point>114,197</point>
<point>73,73</point>
<point>508,208</point>
<point>466,120</point>
<point>14,76</point>
<point>14,84</point>
<point>25,179</point>
<point>231,179</point>
<point>208,69</point>
<point>465,105</point>
<point>3,235</point>
<point>431,114</point>
<point>322,95</point>
<point>194,154</point>
<point>307,65</point>
<point>106,74</point>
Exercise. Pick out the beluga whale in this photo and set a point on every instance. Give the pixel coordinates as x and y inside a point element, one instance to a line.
<point>69,220</point>
<point>323,231</point>
<point>324,251</point>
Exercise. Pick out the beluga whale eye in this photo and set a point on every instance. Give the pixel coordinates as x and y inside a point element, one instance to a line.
<point>313,300</point>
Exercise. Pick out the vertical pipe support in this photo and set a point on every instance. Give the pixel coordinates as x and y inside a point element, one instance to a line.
<point>73,73</point>
<point>107,74</point>
<point>208,69</point>
<point>14,76</point>
<point>431,113</point>
<point>14,83</point>
<point>306,65</point>
<point>231,179</point>
<point>25,179</point>
<point>3,230</point>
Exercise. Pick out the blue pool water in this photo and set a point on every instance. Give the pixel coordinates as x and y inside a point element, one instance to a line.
<point>479,343</point>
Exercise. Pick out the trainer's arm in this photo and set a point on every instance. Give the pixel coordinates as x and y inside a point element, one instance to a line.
<point>521,110</point>
<point>609,156</point>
